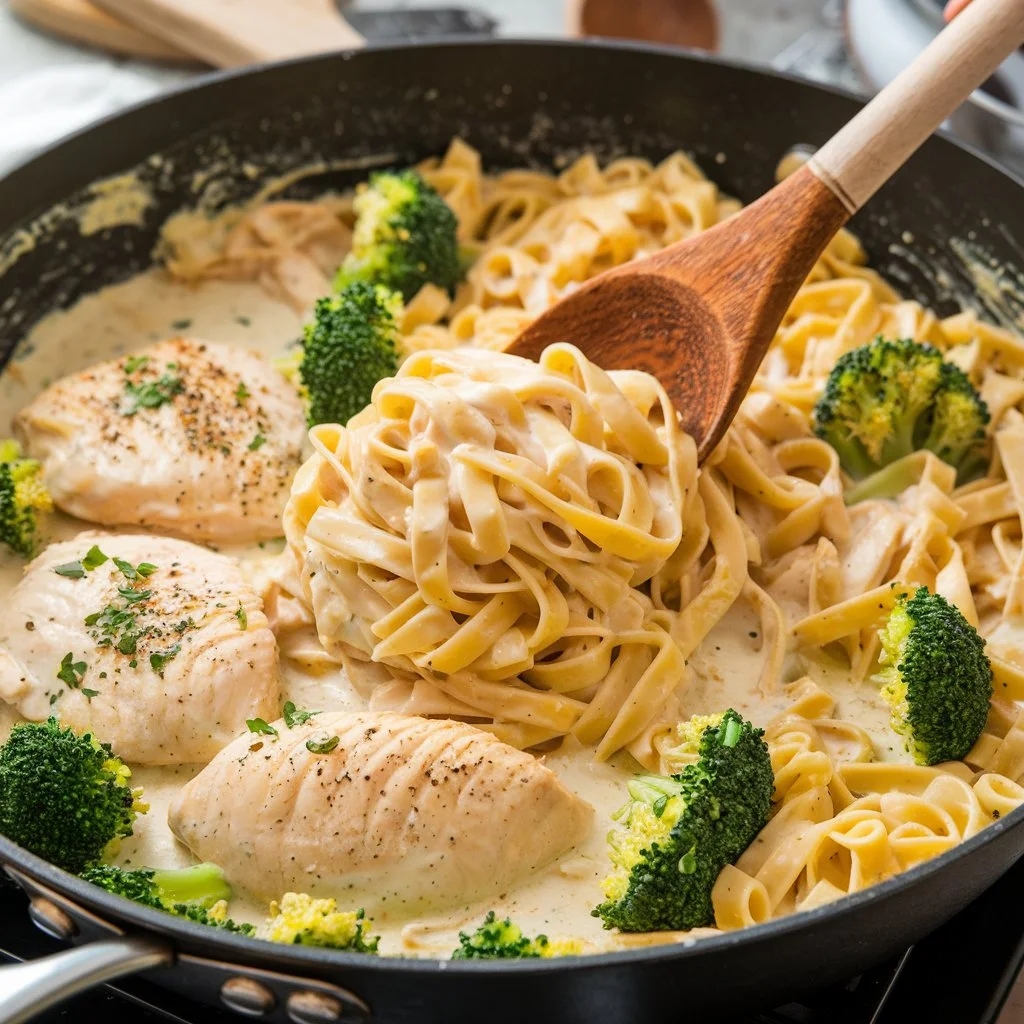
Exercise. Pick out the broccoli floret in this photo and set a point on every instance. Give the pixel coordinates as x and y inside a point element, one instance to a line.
<point>199,893</point>
<point>887,399</point>
<point>202,884</point>
<point>405,236</point>
<point>302,920</point>
<point>214,917</point>
<point>935,676</point>
<point>681,830</point>
<point>63,796</point>
<point>686,749</point>
<point>23,499</point>
<point>503,940</point>
<point>348,348</point>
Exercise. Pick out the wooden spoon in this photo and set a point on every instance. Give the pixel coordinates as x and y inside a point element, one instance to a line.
<point>229,33</point>
<point>700,314</point>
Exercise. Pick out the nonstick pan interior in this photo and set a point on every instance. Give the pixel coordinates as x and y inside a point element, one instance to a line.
<point>520,104</point>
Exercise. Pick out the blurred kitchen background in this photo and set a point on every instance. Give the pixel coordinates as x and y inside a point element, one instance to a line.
<point>50,85</point>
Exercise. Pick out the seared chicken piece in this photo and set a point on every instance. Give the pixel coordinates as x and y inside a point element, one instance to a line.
<point>162,650</point>
<point>383,811</point>
<point>188,437</point>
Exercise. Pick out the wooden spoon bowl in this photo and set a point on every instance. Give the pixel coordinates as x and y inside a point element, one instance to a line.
<point>688,314</point>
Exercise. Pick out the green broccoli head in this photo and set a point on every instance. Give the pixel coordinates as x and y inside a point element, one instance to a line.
<point>887,399</point>
<point>23,500</point>
<point>138,886</point>
<point>350,345</point>
<point>503,940</point>
<point>302,920</point>
<point>681,830</point>
<point>199,893</point>
<point>63,796</point>
<point>213,917</point>
<point>405,236</point>
<point>935,676</point>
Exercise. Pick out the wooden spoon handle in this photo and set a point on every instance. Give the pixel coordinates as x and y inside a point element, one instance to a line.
<point>229,33</point>
<point>861,157</point>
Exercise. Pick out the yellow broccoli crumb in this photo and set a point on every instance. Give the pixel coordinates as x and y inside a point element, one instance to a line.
<point>300,919</point>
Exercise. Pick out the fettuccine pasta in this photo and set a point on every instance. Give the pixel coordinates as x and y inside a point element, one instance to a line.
<point>531,547</point>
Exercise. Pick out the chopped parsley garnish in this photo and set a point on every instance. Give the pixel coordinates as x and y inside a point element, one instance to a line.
<point>127,569</point>
<point>133,572</point>
<point>90,693</point>
<point>158,659</point>
<point>244,321</point>
<point>118,626</point>
<point>243,619</point>
<point>294,716</point>
<point>150,394</point>
<point>181,325</point>
<point>257,442</point>
<point>93,559</point>
<point>114,626</point>
<point>322,746</point>
<point>71,672</point>
<point>241,392</point>
<point>257,725</point>
<point>133,363</point>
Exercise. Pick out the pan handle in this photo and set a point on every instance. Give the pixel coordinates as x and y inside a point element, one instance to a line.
<point>30,988</point>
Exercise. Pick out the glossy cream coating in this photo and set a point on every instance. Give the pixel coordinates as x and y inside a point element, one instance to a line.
<point>214,462</point>
<point>180,708</point>
<point>389,811</point>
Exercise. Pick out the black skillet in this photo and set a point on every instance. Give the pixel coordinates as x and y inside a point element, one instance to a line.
<point>518,103</point>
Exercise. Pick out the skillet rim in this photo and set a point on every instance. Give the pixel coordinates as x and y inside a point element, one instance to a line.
<point>119,908</point>
<point>215,78</point>
<point>325,961</point>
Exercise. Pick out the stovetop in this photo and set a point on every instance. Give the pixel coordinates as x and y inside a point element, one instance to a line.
<point>976,958</point>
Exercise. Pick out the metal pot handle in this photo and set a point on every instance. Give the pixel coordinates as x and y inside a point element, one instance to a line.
<point>30,988</point>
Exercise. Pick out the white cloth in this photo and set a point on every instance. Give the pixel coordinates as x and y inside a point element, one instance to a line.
<point>41,106</point>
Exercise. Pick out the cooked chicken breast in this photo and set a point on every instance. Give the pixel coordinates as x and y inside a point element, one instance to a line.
<point>384,811</point>
<point>163,650</point>
<point>188,437</point>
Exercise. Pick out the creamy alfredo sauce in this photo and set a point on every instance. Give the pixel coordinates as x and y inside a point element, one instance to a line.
<point>555,901</point>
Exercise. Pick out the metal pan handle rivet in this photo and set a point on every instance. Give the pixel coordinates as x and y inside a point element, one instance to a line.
<point>51,920</point>
<point>246,997</point>
<point>314,1008</point>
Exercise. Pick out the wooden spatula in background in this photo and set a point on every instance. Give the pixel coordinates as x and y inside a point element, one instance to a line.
<point>81,22</point>
<point>230,33</point>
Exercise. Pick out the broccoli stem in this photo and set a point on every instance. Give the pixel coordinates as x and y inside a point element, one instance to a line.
<point>649,789</point>
<point>201,884</point>
<point>888,482</point>
<point>731,733</point>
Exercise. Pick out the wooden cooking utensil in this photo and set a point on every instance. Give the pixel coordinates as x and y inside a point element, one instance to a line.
<point>701,314</point>
<point>81,22</point>
<point>229,33</point>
